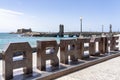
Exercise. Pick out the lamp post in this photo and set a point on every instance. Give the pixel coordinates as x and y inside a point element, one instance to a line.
<point>80,25</point>
<point>102,28</point>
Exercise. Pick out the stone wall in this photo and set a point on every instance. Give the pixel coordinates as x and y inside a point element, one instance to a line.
<point>23,30</point>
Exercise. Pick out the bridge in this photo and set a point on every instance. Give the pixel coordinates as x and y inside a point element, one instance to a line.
<point>61,33</point>
<point>88,34</point>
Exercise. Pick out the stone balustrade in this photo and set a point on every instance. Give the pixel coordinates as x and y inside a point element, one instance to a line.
<point>71,47</point>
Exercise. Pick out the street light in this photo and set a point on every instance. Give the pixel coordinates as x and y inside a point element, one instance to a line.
<point>102,28</point>
<point>80,24</point>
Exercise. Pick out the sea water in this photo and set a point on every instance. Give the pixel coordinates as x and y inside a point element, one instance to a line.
<point>6,39</point>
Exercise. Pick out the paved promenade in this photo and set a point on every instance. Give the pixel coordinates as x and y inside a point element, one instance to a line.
<point>108,70</point>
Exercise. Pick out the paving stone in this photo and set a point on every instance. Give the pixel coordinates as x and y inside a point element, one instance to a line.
<point>108,70</point>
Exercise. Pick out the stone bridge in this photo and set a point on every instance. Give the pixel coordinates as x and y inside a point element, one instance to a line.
<point>87,34</point>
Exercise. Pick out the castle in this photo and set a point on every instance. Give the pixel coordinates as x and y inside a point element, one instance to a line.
<point>19,31</point>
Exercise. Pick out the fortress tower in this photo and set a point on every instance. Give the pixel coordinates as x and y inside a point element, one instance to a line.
<point>110,28</point>
<point>61,30</point>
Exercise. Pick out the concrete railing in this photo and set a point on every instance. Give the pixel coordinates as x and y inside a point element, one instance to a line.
<point>72,47</point>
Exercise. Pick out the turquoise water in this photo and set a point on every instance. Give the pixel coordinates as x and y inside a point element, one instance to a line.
<point>6,38</point>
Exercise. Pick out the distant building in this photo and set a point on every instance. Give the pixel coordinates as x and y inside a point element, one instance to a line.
<point>23,30</point>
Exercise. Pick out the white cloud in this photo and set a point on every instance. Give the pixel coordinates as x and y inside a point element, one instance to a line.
<point>10,12</point>
<point>9,20</point>
<point>12,20</point>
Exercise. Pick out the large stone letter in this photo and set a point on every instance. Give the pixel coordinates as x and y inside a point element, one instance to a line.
<point>43,55</point>
<point>113,44</point>
<point>103,45</point>
<point>9,64</point>
<point>68,48</point>
<point>93,47</point>
<point>81,48</point>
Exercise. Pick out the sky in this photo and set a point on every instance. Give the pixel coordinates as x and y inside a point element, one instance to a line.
<point>47,15</point>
